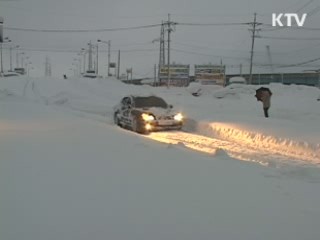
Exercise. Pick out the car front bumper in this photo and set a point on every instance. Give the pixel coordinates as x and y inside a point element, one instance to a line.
<point>164,125</point>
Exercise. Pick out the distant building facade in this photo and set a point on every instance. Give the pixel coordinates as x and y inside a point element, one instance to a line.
<point>210,74</point>
<point>306,78</point>
<point>179,75</point>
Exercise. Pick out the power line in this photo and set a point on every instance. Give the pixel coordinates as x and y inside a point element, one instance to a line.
<point>290,65</point>
<point>209,55</point>
<point>76,51</point>
<point>212,24</point>
<point>299,64</point>
<point>210,48</point>
<point>120,28</point>
<point>305,5</point>
<point>80,30</point>
<point>288,38</point>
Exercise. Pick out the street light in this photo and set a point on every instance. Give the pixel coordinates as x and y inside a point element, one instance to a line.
<point>109,47</point>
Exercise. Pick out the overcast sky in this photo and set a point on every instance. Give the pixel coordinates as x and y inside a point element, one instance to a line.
<point>190,44</point>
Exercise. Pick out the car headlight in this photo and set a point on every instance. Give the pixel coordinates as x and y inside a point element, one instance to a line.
<point>178,117</point>
<point>147,117</point>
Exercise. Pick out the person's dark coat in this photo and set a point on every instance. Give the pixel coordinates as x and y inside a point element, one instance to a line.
<point>264,95</point>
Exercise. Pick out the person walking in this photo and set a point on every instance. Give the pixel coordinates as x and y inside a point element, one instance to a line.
<point>264,95</point>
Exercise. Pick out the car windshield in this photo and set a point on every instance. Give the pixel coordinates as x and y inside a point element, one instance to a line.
<point>148,102</point>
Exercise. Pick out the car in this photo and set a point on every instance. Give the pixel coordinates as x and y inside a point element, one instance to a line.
<point>237,80</point>
<point>90,74</point>
<point>144,114</point>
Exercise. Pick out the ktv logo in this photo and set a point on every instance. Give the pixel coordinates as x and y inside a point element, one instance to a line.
<point>288,19</point>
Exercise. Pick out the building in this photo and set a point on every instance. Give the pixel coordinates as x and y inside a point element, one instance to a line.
<point>210,74</point>
<point>306,78</point>
<point>179,75</point>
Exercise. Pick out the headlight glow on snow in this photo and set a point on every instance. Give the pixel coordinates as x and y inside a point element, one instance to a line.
<point>147,117</point>
<point>178,117</point>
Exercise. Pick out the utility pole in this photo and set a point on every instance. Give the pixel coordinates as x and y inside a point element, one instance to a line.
<point>10,53</point>
<point>118,72</point>
<point>10,49</point>
<point>1,58</point>
<point>1,41</point>
<point>11,58</point>
<point>109,47</point>
<point>1,29</point>
<point>17,59</point>
<point>90,57</point>
<point>162,51</point>
<point>155,75</point>
<point>47,67</point>
<point>169,32</point>
<point>97,64</point>
<point>84,52</point>
<point>7,40</point>
<point>253,30</point>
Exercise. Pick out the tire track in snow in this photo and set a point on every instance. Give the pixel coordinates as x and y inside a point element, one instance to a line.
<point>209,145</point>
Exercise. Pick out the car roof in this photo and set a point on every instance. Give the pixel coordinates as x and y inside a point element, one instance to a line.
<point>140,95</point>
